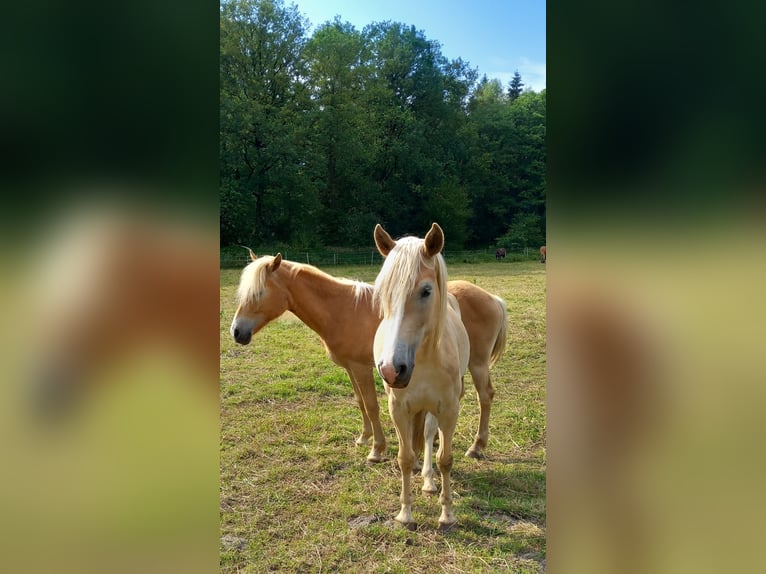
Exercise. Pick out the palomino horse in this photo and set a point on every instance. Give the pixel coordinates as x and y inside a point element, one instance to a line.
<point>341,312</point>
<point>421,351</point>
<point>543,254</point>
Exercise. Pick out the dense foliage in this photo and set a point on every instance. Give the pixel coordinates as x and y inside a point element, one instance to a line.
<point>323,136</point>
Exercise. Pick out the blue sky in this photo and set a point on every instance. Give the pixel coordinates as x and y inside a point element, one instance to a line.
<point>495,36</point>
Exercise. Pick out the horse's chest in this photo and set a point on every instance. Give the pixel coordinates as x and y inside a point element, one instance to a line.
<point>415,400</point>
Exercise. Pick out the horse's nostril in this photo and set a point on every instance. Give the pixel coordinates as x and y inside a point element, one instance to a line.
<point>401,370</point>
<point>236,332</point>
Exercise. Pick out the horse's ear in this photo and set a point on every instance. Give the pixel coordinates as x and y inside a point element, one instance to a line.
<point>253,256</point>
<point>383,240</point>
<point>434,241</point>
<point>274,265</point>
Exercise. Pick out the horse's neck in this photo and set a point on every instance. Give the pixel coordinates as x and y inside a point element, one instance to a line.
<point>435,326</point>
<point>314,298</point>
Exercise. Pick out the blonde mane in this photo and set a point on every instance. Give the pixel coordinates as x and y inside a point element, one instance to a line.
<point>399,274</point>
<point>253,280</point>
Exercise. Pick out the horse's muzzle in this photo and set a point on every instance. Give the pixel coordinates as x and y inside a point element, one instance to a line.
<point>395,377</point>
<point>241,330</point>
<point>241,336</point>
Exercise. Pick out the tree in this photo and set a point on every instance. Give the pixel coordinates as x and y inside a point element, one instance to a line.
<point>506,170</point>
<point>448,205</point>
<point>525,231</point>
<point>342,139</point>
<point>322,137</point>
<point>266,193</point>
<point>420,109</point>
<point>515,85</point>
<point>488,92</point>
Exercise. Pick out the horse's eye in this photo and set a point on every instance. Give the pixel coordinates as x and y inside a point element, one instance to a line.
<point>425,292</point>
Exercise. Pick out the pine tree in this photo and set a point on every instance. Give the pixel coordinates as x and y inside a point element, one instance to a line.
<point>515,85</point>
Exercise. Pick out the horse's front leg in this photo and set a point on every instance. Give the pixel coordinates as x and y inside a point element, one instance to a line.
<point>447,423</point>
<point>367,399</point>
<point>406,458</point>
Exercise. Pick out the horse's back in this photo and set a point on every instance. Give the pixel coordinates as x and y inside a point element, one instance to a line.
<point>483,315</point>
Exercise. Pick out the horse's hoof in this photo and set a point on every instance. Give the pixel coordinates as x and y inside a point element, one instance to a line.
<point>394,523</point>
<point>362,440</point>
<point>472,453</point>
<point>445,527</point>
<point>429,486</point>
<point>376,456</point>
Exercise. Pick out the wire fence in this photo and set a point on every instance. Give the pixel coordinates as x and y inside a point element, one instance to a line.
<point>327,258</point>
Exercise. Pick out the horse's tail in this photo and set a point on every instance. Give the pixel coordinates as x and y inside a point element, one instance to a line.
<point>502,335</point>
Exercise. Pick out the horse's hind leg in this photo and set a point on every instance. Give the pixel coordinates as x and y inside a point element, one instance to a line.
<point>431,428</point>
<point>484,393</point>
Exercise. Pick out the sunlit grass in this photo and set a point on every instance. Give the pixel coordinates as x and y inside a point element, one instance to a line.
<point>296,493</point>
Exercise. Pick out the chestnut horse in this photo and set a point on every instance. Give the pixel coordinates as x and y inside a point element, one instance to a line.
<point>421,351</point>
<point>341,312</point>
<point>543,254</point>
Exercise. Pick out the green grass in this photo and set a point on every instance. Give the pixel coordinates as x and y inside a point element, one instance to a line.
<point>296,493</point>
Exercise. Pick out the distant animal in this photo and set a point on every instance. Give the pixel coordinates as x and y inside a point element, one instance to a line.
<point>421,351</point>
<point>543,254</point>
<point>500,254</point>
<point>342,313</point>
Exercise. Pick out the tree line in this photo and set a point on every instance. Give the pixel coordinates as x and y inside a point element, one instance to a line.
<point>324,135</point>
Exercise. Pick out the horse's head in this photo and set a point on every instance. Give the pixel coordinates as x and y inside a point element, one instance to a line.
<point>260,296</point>
<point>410,291</point>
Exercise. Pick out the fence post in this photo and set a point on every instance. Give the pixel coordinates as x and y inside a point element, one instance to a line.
<point>307,258</point>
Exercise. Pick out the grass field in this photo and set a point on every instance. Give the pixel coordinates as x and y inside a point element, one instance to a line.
<point>297,494</point>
